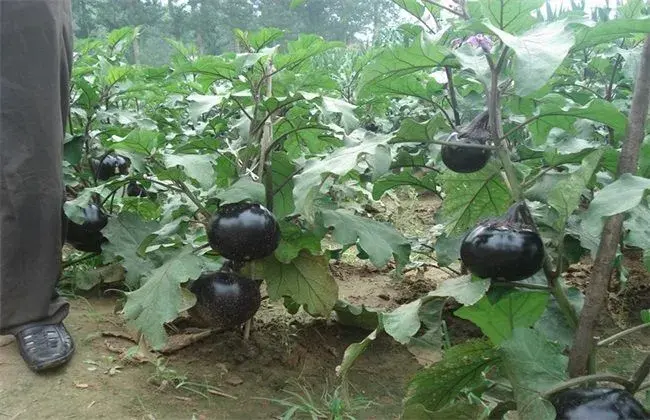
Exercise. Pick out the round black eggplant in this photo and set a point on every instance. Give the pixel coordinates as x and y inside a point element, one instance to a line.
<point>87,237</point>
<point>508,248</point>
<point>598,404</point>
<point>135,189</point>
<point>244,232</point>
<point>468,159</point>
<point>112,165</point>
<point>225,299</point>
<point>464,159</point>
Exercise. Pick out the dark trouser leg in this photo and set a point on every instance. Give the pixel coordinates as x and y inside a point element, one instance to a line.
<point>35,60</point>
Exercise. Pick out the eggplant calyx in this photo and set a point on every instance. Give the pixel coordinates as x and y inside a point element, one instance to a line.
<point>477,130</point>
<point>518,215</point>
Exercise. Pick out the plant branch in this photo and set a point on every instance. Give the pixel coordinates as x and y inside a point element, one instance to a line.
<point>286,181</point>
<point>601,377</point>
<point>264,170</point>
<point>522,285</point>
<point>618,336</point>
<point>502,59</point>
<point>281,138</point>
<point>69,263</point>
<point>553,278</point>
<point>449,9</point>
<point>270,114</point>
<point>640,374</point>
<point>537,176</point>
<point>461,144</point>
<point>242,108</point>
<point>426,25</point>
<point>444,112</point>
<point>181,185</point>
<point>602,268</point>
<point>452,94</point>
<point>610,85</point>
<point>643,386</point>
<point>496,129</point>
<point>171,187</point>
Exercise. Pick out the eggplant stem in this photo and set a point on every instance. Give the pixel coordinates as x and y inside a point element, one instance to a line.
<point>618,336</point>
<point>522,285</point>
<point>181,185</point>
<point>560,295</point>
<point>69,263</point>
<point>247,329</point>
<point>601,377</point>
<point>460,144</point>
<point>496,130</point>
<point>640,374</point>
<point>643,386</point>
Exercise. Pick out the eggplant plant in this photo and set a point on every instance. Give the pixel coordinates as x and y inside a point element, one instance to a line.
<point>528,125</point>
<point>523,196</point>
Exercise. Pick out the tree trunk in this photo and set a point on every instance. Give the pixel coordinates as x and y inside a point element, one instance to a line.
<point>583,345</point>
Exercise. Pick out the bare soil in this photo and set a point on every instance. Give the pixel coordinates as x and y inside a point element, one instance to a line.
<point>226,377</point>
<point>282,353</point>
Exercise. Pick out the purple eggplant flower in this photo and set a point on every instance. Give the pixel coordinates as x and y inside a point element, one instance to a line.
<point>480,40</point>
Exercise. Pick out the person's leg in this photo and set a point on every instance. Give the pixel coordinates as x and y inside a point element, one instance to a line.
<point>35,61</point>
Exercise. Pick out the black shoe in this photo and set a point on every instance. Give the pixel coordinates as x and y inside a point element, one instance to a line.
<point>45,346</point>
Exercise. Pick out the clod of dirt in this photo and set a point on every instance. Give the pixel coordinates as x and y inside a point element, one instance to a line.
<point>5,340</point>
<point>234,380</point>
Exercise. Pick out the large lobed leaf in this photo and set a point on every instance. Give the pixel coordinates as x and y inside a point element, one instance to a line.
<point>398,61</point>
<point>340,162</point>
<point>392,180</point>
<point>160,299</point>
<point>497,320</point>
<point>466,290</point>
<point>411,131</point>
<point>461,367</point>
<point>244,189</point>
<point>125,234</point>
<point>381,241</point>
<point>565,195</point>
<point>414,7</point>
<point>302,49</point>
<point>533,366</point>
<point>602,32</point>
<point>622,195</point>
<point>558,111</point>
<point>539,51</point>
<point>471,197</point>
<point>401,323</point>
<point>513,16</point>
<point>306,280</point>
<point>282,170</point>
<point>198,167</point>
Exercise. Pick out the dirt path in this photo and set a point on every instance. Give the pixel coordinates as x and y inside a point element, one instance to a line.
<point>284,353</point>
